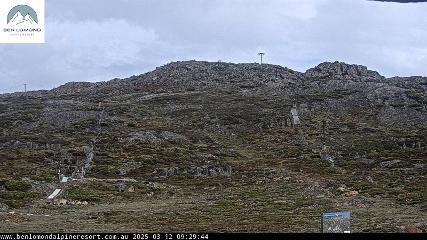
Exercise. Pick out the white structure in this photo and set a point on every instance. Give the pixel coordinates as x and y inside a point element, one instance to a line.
<point>64,179</point>
<point>295,117</point>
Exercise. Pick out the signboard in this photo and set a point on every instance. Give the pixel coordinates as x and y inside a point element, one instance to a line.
<point>336,222</point>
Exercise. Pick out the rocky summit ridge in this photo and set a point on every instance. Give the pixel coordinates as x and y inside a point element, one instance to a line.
<point>330,86</point>
<point>180,76</point>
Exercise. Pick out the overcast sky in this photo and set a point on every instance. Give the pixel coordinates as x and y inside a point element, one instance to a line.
<point>99,40</point>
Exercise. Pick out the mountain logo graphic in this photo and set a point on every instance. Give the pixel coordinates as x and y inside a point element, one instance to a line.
<point>22,14</point>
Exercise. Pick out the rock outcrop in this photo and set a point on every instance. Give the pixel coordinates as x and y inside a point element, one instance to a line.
<point>342,71</point>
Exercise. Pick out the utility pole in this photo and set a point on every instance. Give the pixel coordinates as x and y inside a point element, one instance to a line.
<point>25,87</point>
<point>261,54</point>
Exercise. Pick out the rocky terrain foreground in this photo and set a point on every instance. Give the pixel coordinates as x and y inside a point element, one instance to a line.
<point>217,147</point>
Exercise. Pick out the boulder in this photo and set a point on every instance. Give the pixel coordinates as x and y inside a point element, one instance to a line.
<point>412,229</point>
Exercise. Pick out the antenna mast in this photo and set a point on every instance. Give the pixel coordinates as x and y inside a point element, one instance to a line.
<point>261,54</point>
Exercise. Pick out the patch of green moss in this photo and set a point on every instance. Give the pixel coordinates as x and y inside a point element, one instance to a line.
<point>46,176</point>
<point>16,199</point>
<point>82,194</point>
<point>17,185</point>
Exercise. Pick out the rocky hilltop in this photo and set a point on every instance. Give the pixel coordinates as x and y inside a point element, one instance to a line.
<point>332,87</point>
<point>241,144</point>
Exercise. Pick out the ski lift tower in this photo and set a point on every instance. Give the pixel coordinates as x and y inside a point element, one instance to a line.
<point>261,54</point>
